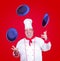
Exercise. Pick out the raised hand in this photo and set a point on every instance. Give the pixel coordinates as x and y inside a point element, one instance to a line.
<point>44,35</point>
<point>15,51</point>
<point>14,48</point>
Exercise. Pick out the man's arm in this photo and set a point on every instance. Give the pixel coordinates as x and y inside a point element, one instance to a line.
<point>47,44</point>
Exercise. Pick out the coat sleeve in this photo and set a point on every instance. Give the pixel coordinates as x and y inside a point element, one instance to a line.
<point>19,44</point>
<point>43,46</point>
<point>46,46</point>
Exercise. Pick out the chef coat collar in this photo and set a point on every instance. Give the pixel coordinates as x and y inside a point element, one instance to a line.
<point>30,39</point>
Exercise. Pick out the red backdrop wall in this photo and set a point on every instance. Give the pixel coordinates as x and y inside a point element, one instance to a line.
<point>9,18</point>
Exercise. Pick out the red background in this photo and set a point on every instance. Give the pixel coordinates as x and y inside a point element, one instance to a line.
<point>9,18</point>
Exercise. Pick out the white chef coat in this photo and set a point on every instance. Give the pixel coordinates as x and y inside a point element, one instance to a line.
<point>32,52</point>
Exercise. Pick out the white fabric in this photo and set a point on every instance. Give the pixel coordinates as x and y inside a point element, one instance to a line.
<point>28,23</point>
<point>27,50</point>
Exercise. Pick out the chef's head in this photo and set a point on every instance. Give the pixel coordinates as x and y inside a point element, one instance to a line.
<point>28,28</point>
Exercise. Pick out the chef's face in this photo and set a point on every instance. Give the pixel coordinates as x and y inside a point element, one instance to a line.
<point>29,33</point>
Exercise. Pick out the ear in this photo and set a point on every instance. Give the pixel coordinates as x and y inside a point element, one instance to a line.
<point>45,20</point>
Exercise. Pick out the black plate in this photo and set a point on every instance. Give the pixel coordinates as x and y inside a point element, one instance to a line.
<point>12,34</point>
<point>22,10</point>
<point>45,20</point>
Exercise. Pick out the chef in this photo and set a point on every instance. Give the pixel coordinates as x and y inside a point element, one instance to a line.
<point>30,48</point>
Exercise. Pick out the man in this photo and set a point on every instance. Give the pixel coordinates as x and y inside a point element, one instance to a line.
<point>30,48</point>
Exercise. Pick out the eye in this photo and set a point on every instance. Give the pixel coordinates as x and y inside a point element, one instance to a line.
<point>45,20</point>
<point>11,34</point>
<point>22,10</point>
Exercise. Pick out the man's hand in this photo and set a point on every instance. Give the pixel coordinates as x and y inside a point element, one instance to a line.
<point>14,48</point>
<point>15,51</point>
<point>44,35</point>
